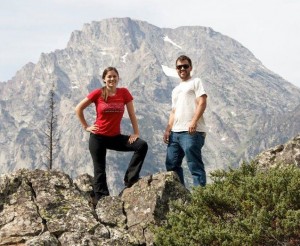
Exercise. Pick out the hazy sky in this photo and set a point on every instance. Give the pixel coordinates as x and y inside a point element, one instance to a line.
<point>270,29</point>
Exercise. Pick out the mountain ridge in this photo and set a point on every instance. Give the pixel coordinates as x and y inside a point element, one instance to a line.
<point>246,101</point>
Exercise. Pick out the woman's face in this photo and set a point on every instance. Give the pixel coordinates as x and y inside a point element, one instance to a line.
<point>111,79</point>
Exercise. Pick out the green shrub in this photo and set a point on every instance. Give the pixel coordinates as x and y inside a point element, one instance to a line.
<point>244,206</point>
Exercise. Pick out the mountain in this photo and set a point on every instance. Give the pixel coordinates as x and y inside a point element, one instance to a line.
<point>250,108</point>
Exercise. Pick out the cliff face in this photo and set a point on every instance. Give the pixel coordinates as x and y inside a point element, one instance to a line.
<point>250,108</point>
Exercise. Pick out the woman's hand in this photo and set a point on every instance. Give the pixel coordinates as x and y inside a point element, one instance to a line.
<point>133,138</point>
<point>92,128</point>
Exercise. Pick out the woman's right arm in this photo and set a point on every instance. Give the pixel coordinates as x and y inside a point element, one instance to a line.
<point>79,112</point>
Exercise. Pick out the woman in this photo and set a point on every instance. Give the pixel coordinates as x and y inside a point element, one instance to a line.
<point>105,133</point>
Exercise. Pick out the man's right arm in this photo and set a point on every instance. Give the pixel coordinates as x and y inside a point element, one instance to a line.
<point>169,126</point>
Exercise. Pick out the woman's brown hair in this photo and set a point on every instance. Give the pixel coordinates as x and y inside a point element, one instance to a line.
<point>104,94</point>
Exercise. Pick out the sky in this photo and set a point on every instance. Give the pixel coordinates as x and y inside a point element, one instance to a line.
<point>270,29</point>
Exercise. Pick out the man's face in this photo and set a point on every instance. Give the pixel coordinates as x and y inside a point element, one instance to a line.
<point>183,69</point>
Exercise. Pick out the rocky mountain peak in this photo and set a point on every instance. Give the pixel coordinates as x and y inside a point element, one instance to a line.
<point>247,102</point>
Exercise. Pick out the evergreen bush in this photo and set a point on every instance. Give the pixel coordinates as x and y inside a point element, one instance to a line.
<point>244,206</point>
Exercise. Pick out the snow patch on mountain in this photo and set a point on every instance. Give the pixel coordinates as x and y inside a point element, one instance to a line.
<point>167,39</point>
<point>171,72</point>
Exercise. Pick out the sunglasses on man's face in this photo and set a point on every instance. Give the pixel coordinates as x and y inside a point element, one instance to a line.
<point>184,66</point>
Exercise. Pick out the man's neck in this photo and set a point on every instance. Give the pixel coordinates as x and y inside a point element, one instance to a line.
<point>184,80</point>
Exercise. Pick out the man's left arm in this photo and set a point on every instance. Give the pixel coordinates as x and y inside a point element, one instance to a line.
<point>201,106</point>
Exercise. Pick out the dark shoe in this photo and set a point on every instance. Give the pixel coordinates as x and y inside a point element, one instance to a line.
<point>121,193</point>
<point>94,201</point>
<point>131,183</point>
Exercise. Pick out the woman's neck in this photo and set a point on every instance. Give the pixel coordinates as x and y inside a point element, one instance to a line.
<point>111,91</point>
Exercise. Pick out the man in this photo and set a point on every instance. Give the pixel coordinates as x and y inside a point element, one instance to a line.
<point>185,132</point>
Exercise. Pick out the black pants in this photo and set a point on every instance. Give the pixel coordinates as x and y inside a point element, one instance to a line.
<point>98,145</point>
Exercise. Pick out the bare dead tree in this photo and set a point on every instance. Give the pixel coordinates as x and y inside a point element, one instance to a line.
<point>51,129</point>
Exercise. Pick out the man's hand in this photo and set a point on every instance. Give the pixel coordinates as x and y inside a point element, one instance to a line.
<point>192,127</point>
<point>166,137</point>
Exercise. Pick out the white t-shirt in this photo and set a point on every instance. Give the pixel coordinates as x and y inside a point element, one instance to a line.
<point>184,102</point>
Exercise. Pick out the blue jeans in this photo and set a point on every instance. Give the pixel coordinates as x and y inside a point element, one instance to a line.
<point>189,145</point>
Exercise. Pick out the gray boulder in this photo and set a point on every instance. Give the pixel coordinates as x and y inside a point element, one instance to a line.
<point>40,207</point>
<point>287,154</point>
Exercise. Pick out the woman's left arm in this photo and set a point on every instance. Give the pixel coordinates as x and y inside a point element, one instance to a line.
<point>134,123</point>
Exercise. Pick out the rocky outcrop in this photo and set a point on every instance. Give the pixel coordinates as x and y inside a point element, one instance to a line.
<point>287,154</point>
<point>49,208</point>
<point>40,207</point>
